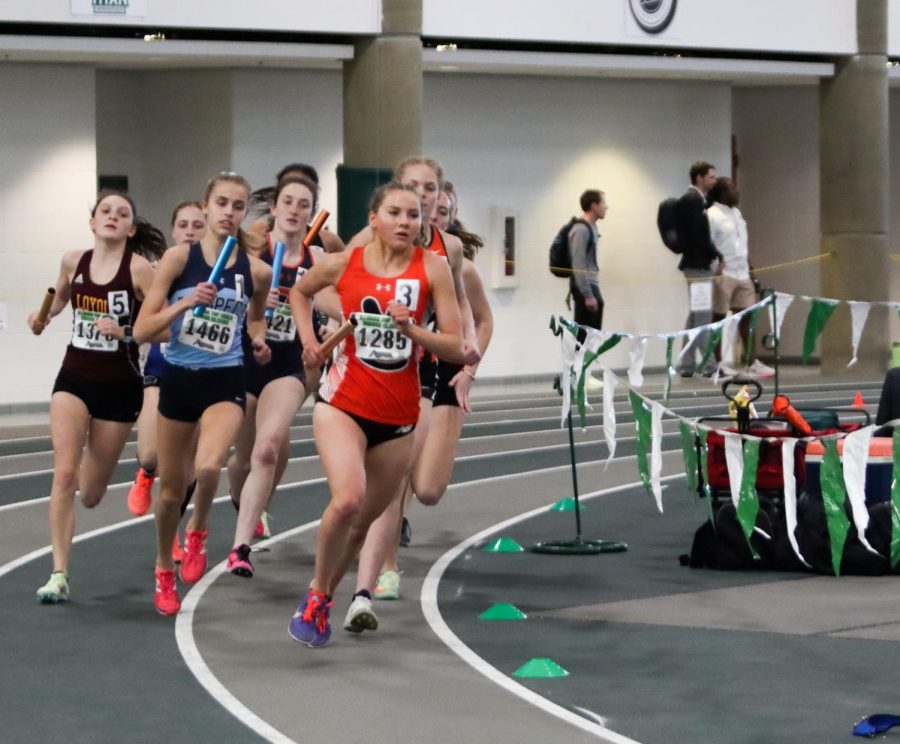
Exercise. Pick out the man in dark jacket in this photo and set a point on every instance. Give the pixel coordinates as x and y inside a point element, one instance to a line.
<point>698,262</point>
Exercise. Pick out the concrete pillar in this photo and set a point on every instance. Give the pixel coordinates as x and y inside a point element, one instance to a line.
<point>855,185</point>
<point>383,98</point>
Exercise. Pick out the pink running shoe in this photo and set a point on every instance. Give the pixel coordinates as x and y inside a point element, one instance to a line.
<point>166,598</point>
<point>139,493</point>
<point>239,562</point>
<point>193,562</point>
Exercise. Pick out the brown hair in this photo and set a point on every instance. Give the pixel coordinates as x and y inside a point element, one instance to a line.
<point>147,241</point>
<point>248,243</point>
<point>182,205</point>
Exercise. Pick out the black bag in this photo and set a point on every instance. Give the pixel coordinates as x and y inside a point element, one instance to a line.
<point>667,222</point>
<point>560,256</point>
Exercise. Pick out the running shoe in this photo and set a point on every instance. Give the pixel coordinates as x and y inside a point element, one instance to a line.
<point>388,586</point>
<point>360,615</point>
<point>310,623</point>
<point>165,599</point>
<point>193,563</point>
<point>263,527</point>
<point>758,369</point>
<point>405,533</point>
<point>139,493</point>
<point>177,552</point>
<point>239,561</point>
<point>56,590</point>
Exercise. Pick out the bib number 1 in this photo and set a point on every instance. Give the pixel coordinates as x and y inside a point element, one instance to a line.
<point>85,334</point>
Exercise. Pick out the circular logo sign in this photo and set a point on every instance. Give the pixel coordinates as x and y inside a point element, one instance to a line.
<point>653,15</point>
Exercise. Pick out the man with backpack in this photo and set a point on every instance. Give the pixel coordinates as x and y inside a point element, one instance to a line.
<point>584,280</point>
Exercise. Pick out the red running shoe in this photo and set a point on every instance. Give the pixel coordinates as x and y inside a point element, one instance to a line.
<point>139,493</point>
<point>177,552</point>
<point>166,598</point>
<point>193,562</point>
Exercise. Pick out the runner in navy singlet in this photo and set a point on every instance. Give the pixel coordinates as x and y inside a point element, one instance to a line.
<point>275,390</point>
<point>203,388</point>
<point>188,226</point>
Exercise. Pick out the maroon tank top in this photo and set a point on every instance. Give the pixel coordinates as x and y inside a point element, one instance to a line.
<point>89,353</point>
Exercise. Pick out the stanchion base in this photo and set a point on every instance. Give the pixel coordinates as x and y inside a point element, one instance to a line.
<point>579,547</point>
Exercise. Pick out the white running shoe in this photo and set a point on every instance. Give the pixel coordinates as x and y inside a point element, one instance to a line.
<point>758,369</point>
<point>360,615</point>
<point>56,590</point>
<point>388,586</point>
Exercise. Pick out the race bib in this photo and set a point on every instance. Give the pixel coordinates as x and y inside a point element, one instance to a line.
<point>214,332</point>
<point>378,339</point>
<point>86,336</point>
<point>280,327</point>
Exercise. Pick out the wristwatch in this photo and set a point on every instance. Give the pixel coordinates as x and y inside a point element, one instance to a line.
<point>129,334</point>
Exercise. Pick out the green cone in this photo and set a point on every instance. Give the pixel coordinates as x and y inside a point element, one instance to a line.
<point>567,504</point>
<point>503,611</point>
<point>540,669</point>
<point>504,545</point>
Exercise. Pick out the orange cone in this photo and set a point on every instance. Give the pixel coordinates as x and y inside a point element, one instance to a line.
<point>857,400</point>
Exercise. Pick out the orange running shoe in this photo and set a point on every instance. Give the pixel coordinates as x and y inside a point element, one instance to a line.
<point>193,562</point>
<point>177,552</point>
<point>139,493</point>
<point>166,598</point>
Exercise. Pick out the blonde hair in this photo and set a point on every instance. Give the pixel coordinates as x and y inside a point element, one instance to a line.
<point>419,160</point>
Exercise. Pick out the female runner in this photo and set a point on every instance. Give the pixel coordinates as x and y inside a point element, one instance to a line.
<point>427,177</point>
<point>188,226</point>
<point>276,390</point>
<point>97,395</point>
<point>370,398</point>
<point>203,388</point>
<point>262,200</point>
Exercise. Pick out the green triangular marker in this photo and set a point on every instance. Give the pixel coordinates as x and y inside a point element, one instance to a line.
<point>503,612</point>
<point>567,504</point>
<point>504,545</point>
<point>540,669</point>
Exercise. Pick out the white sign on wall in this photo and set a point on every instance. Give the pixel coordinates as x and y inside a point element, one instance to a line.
<point>110,8</point>
<point>799,26</point>
<point>305,16</point>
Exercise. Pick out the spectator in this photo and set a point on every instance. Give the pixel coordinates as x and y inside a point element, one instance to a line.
<point>733,288</point>
<point>698,255</point>
<point>583,238</point>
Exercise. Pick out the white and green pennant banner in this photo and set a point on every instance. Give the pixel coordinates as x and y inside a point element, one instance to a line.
<point>843,478</point>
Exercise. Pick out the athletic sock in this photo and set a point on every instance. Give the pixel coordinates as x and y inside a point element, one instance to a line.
<point>363,593</point>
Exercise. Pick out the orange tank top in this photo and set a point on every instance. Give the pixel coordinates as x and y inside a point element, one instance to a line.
<point>375,374</point>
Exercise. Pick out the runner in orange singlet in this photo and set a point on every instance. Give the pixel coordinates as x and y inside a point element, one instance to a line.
<point>369,402</point>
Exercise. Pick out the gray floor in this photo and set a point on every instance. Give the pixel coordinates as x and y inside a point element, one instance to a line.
<point>656,652</point>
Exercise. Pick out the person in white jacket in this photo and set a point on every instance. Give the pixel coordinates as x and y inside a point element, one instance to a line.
<point>733,288</point>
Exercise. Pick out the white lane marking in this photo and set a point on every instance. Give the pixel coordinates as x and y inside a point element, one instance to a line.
<point>190,652</point>
<point>451,640</point>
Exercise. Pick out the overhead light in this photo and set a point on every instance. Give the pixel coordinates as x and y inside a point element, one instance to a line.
<point>154,37</point>
<point>446,47</point>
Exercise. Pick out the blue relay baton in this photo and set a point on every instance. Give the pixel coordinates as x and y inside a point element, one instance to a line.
<point>277,261</point>
<point>218,269</point>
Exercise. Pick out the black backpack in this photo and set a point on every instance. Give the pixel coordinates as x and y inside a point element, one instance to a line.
<point>667,222</point>
<point>560,256</point>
